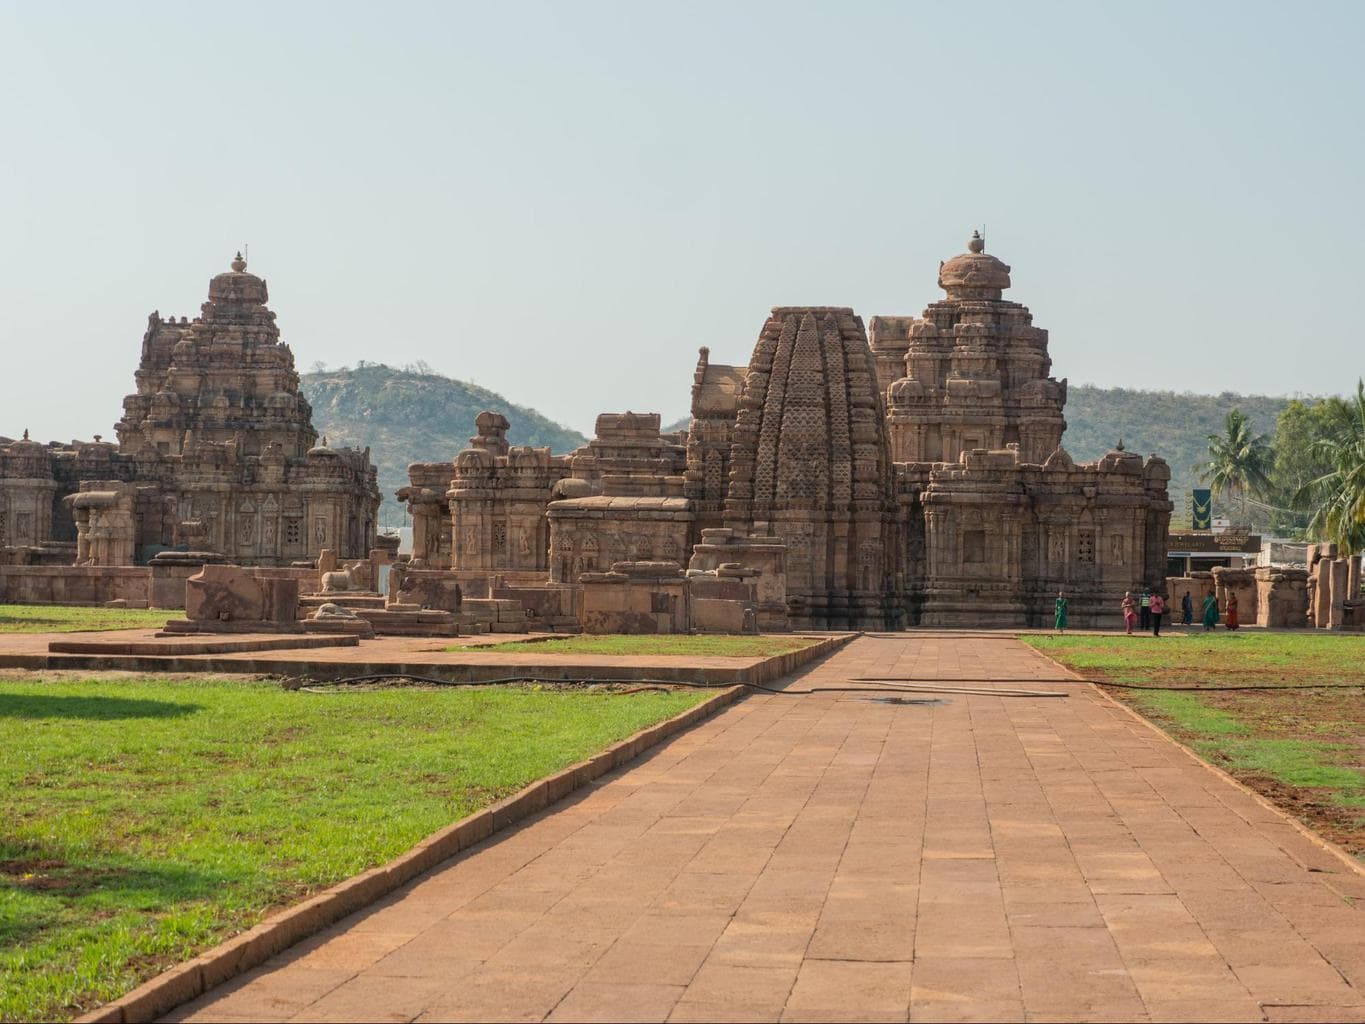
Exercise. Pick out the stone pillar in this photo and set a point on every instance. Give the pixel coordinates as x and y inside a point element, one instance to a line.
<point>1338,575</point>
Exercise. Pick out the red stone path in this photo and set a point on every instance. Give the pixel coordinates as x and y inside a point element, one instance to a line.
<point>834,857</point>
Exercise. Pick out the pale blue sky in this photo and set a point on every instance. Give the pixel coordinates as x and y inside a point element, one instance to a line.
<point>562,201</point>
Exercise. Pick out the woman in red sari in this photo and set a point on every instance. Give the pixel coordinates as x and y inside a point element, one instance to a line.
<point>1231,616</point>
<point>1129,607</point>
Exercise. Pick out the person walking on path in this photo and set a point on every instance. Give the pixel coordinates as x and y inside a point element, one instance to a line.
<point>1158,607</point>
<point>1129,606</point>
<point>1146,605</point>
<point>1186,609</point>
<point>1061,611</point>
<point>1210,612</point>
<point>1232,622</point>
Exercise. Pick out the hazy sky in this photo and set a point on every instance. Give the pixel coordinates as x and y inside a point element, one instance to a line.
<point>562,201</point>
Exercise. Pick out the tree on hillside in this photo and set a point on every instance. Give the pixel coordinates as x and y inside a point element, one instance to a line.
<point>1298,426</point>
<point>1239,461</point>
<point>1337,497</point>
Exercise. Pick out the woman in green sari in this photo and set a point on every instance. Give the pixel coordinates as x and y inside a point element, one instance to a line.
<point>1210,612</point>
<point>1061,611</point>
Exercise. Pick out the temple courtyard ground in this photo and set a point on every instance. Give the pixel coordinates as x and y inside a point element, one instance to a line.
<point>840,851</point>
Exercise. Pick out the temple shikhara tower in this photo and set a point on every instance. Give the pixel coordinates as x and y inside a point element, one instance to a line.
<point>216,457</point>
<point>1001,518</point>
<point>916,476</point>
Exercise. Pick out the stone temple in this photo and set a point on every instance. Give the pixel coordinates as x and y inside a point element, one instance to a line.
<point>216,457</point>
<point>916,476</point>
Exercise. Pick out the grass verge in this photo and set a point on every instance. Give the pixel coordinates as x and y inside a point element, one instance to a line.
<point>147,819</point>
<point>1211,659</point>
<point>669,644</point>
<point>1300,748</point>
<point>61,618</point>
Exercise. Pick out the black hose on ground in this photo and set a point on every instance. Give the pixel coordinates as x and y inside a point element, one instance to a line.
<point>657,684</point>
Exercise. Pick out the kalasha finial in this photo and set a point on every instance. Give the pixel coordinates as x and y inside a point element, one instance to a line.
<point>26,433</point>
<point>977,243</point>
<point>1119,447</point>
<point>238,264</point>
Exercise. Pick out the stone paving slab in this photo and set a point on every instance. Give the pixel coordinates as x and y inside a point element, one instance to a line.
<point>838,857</point>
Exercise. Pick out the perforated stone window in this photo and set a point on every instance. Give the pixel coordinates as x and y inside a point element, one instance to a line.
<point>293,530</point>
<point>1085,546</point>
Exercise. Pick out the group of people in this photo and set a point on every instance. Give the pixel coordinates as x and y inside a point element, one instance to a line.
<point>1147,611</point>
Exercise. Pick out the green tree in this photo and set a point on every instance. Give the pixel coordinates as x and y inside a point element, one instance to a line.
<point>1239,461</point>
<point>1299,425</point>
<point>1336,498</point>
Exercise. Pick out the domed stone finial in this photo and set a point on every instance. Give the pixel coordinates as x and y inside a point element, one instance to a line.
<point>238,264</point>
<point>976,243</point>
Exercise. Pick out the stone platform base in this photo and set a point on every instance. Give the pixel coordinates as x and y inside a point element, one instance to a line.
<point>354,600</point>
<point>180,645</point>
<point>190,627</point>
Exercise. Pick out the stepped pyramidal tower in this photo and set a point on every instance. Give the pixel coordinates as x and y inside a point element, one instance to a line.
<point>216,456</point>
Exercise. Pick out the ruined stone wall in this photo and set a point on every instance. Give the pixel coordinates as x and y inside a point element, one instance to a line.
<point>1281,597</point>
<point>1199,584</point>
<point>1242,583</point>
<point>81,585</point>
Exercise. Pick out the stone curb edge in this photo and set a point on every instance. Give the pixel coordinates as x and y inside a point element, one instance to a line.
<point>240,953</point>
<point>1313,837</point>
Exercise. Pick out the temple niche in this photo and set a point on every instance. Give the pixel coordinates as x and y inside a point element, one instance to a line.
<point>216,455</point>
<point>915,476</point>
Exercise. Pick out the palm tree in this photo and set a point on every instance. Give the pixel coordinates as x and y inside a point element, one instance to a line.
<point>1239,461</point>
<point>1337,498</point>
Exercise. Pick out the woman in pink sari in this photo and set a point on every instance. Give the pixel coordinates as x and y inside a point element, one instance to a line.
<point>1130,616</point>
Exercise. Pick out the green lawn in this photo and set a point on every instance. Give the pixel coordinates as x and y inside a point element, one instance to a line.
<point>1301,748</point>
<point>1212,659</point>
<point>144,820</point>
<point>667,644</point>
<point>63,618</point>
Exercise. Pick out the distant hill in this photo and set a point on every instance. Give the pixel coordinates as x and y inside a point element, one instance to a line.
<point>414,415</point>
<point>1174,426</point>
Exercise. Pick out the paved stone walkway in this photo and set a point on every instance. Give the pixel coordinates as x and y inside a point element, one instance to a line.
<point>837,857</point>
